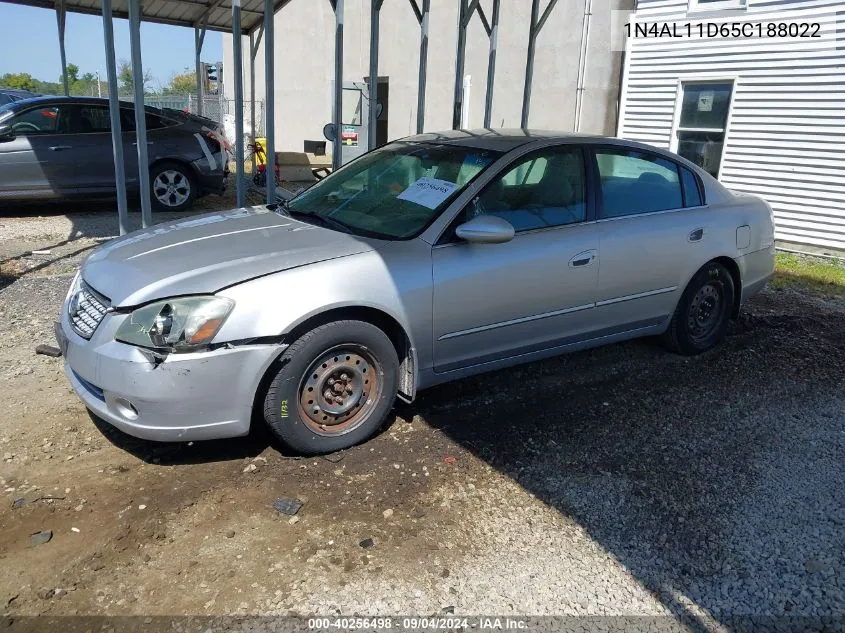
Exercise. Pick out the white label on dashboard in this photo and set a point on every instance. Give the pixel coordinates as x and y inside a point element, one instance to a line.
<point>428,192</point>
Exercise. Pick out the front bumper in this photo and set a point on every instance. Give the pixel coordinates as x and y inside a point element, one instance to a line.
<point>194,396</point>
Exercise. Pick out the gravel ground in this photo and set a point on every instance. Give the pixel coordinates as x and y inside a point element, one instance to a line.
<point>619,481</point>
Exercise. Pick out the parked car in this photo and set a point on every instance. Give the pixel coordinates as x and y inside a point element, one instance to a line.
<point>430,259</point>
<point>58,147</point>
<point>7,95</point>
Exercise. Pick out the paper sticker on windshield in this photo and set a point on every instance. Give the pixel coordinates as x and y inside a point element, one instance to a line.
<point>428,192</point>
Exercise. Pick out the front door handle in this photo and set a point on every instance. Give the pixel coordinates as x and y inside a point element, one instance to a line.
<point>584,258</point>
<point>59,148</point>
<point>136,142</point>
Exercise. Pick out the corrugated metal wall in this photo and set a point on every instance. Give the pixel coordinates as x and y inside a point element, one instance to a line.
<point>786,130</point>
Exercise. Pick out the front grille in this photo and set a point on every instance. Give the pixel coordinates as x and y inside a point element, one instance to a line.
<point>86,309</point>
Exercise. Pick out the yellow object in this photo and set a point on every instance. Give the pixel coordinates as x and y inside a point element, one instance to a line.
<point>262,143</point>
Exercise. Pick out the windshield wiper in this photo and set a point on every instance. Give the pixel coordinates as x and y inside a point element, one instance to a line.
<point>320,219</point>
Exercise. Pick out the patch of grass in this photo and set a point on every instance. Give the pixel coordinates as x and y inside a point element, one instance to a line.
<point>816,275</point>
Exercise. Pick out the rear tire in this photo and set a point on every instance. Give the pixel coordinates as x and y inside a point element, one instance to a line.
<point>334,389</point>
<point>701,317</point>
<point>172,186</point>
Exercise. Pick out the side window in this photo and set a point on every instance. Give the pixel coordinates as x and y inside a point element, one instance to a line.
<point>542,190</point>
<point>692,192</point>
<point>40,120</point>
<point>634,182</point>
<point>127,120</point>
<point>85,119</point>
<point>95,118</point>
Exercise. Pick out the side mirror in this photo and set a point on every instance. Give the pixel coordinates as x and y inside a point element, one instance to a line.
<point>486,229</point>
<point>6,132</point>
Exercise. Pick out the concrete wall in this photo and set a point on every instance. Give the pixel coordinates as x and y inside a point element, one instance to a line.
<point>304,66</point>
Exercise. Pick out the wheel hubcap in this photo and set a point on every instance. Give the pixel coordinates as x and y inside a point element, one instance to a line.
<point>171,188</point>
<point>339,390</point>
<point>705,311</point>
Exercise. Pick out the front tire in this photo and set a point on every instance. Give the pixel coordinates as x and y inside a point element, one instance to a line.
<point>334,389</point>
<point>701,318</point>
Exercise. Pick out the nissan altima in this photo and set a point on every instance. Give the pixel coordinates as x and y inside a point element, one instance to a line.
<point>430,259</point>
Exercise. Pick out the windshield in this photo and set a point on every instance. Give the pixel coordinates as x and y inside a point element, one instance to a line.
<point>394,192</point>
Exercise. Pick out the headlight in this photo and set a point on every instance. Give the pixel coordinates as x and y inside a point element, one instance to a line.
<point>176,324</point>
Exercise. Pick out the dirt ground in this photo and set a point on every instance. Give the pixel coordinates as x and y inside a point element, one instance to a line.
<point>619,481</point>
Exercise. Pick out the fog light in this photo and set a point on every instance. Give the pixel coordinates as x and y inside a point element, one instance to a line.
<point>126,408</point>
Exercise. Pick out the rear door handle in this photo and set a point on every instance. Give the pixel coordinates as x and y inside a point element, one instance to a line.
<point>59,148</point>
<point>696,235</point>
<point>136,142</point>
<point>584,258</point>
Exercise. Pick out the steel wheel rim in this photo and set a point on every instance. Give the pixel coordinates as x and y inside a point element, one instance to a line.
<point>171,188</point>
<point>340,390</point>
<point>705,311</point>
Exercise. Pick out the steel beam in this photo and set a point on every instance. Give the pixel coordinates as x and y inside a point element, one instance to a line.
<point>423,72</point>
<point>463,15</point>
<point>375,9</point>
<point>337,111</point>
<point>493,33</point>
<point>269,100</point>
<point>252,51</point>
<point>114,115</point>
<point>61,13</point>
<point>238,76</point>
<point>140,112</point>
<point>536,27</point>
<point>199,37</point>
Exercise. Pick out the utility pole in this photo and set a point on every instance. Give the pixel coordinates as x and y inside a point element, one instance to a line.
<point>99,88</point>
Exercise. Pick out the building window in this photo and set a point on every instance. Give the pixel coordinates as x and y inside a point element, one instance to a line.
<point>700,133</point>
<point>716,5</point>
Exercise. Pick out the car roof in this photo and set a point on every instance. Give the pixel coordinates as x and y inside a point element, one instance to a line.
<point>504,139</point>
<point>63,99</point>
<point>507,139</point>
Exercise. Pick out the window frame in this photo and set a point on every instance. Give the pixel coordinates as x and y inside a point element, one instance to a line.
<point>447,236</point>
<point>697,6</point>
<point>683,82</point>
<point>599,194</point>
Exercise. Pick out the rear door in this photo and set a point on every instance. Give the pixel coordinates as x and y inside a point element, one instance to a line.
<point>89,125</point>
<point>654,235</point>
<point>38,161</point>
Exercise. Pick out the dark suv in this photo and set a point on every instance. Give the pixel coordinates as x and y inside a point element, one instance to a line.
<point>57,147</point>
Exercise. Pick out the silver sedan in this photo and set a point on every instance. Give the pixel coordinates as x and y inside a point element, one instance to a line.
<point>430,259</point>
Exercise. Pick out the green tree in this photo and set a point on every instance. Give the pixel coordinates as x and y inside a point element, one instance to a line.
<point>181,83</point>
<point>72,74</point>
<point>19,81</point>
<point>126,83</point>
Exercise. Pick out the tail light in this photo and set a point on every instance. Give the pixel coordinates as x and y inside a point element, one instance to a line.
<point>213,145</point>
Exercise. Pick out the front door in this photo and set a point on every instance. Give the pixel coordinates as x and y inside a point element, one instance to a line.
<point>38,161</point>
<point>494,301</point>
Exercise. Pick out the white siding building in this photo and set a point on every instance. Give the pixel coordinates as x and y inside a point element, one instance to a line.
<point>573,55</point>
<point>764,114</point>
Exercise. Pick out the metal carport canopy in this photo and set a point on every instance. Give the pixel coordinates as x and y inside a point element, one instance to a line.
<point>215,15</point>
<point>256,19</point>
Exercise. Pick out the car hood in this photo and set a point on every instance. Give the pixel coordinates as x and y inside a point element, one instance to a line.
<point>206,253</point>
